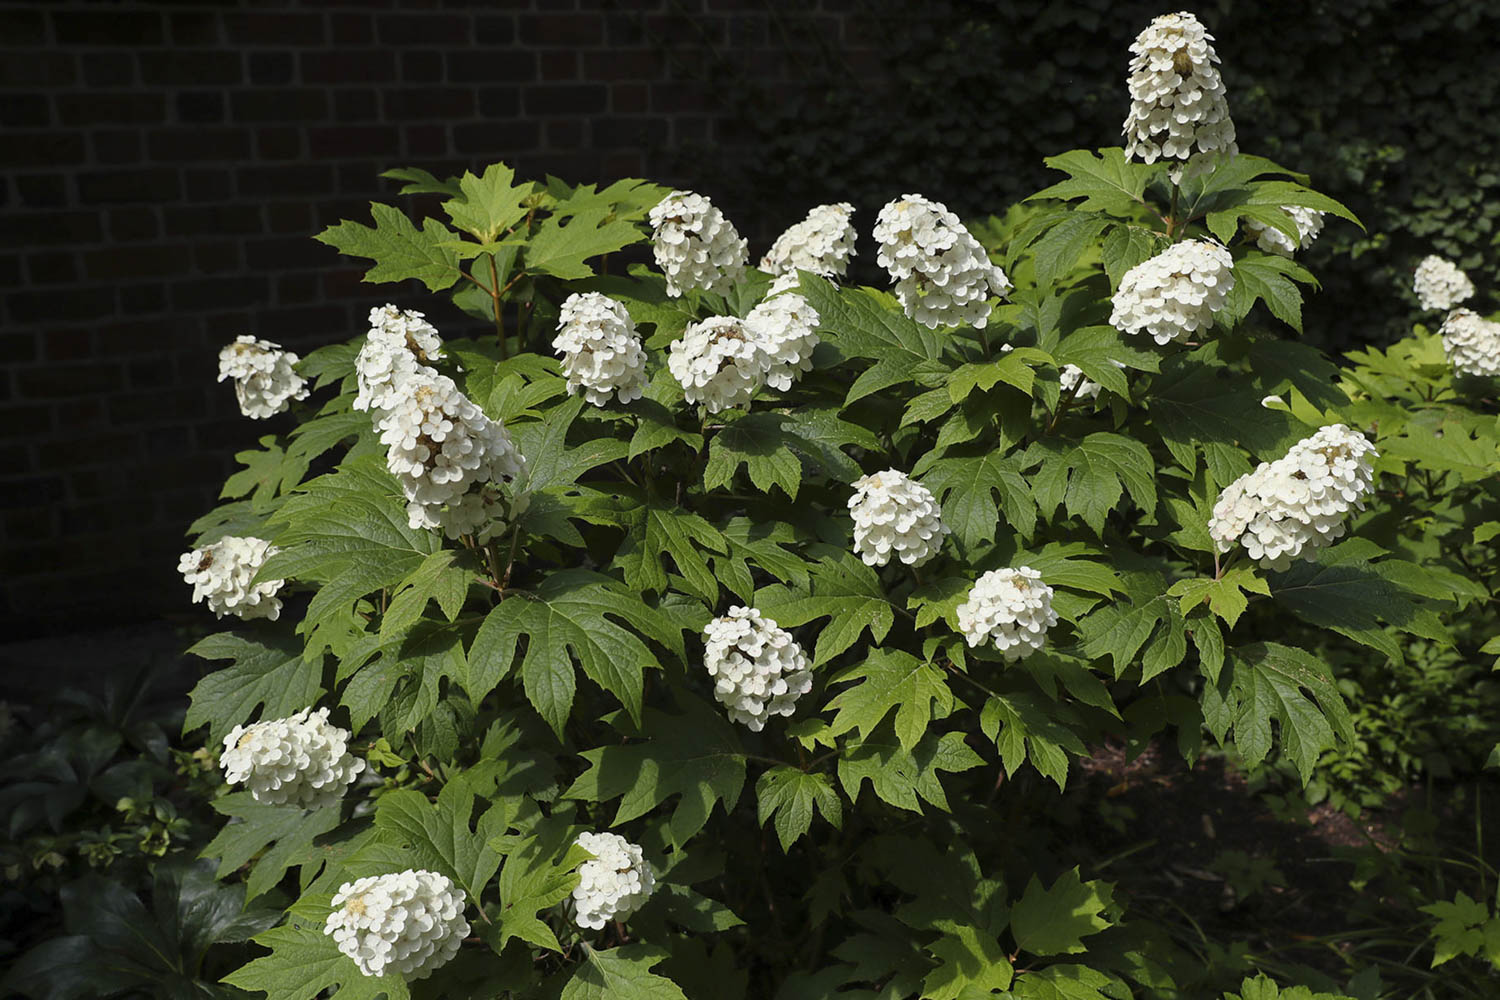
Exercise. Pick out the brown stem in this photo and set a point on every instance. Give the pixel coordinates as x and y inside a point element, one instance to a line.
<point>1062,406</point>
<point>495,294</point>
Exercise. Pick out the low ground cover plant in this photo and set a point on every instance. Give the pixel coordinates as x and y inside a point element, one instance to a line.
<point>706,629</point>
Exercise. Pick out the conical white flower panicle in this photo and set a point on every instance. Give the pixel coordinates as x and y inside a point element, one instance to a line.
<point>264,380</point>
<point>1309,222</point>
<point>400,344</point>
<point>409,923</point>
<point>1293,507</point>
<point>943,276</point>
<point>613,884</point>
<point>758,668</point>
<point>220,574</point>
<point>1177,105</point>
<point>1439,283</point>
<point>695,246</point>
<point>449,457</point>
<point>784,327</point>
<point>718,362</point>
<point>895,515</point>
<point>821,243</point>
<point>1010,608</point>
<point>1472,343</point>
<point>301,760</point>
<point>602,353</point>
<point>1175,294</point>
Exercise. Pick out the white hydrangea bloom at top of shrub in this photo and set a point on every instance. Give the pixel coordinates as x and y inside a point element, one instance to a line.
<point>1177,105</point>
<point>758,668</point>
<point>718,362</point>
<point>410,923</point>
<point>1309,222</point>
<point>943,276</point>
<point>1175,294</point>
<point>220,574</point>
<point>614,883</point>
<point>695,246</point>
<point>602,352</point>
<point>1011,608</point>
<point>301,760</point>
<point>1472,343</point>
<point>264,380</point>
<point>784,328</point>
<point>821,243</point>
<point>1293,507</point>
<point>445,452</point>
<point>400,344</point>
<point>1440,284</point>
<point>894,514</point>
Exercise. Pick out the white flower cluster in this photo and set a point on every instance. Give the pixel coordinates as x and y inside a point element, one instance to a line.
<point>399,345</point>
<point>695,246</point>
<point>221,573</point>
<point>300,760</point>
<point>1011,608</point>
<point>1294,506</point>
<point>1072,375</point>
<point>1472,343</point>
<point>943,276</point>
<point>410,922</point>
<point>1439,283</point>
<point>718,363</point>
<point>602,353</point>
<point>448,456</point>
<point>1176,96</point>
<point>614,883</point>
<point>721,361</point>
<point>895,514</point>
<point>1309,222</point>
<point>758,668</point>
<point>264,379</point>
<point>821,243</point>
<point>783,328</point>
<point>1176,293</point>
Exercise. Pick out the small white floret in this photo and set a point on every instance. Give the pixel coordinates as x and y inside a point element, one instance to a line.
<point>409,923</point>
<point>265,381</point>
<point>613,884</point>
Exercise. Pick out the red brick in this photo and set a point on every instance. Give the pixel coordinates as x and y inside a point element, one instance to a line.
<point>562,30</point>
<point>92,26</point>
<point>425,29</point>
<point>279,29</point>
<point>196,145</point>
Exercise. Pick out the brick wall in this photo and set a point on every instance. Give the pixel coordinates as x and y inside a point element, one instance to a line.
<point>163,165</point>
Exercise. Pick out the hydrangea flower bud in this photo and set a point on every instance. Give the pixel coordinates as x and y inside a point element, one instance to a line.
<point>1295,506</point>
<point>410,923</point>
<point>1176,293</point>
<point>264,380</point>
<point>894,514</point>
<point>718,362</point>
<point>1011,608</point>
<point>221,573</point>
<point>613,884</point>
<point>447,455</point>
<point>300,760</point>
<point>1472,343</point>
<point>758,668</point>
<point>821,243</point>
<point>1309,222</point>
<point>695,246</point>
<point>1439,283</point>
<point>400,344</point>
<point>943,276</point>
<point>784,329</point>
<point>1177,104</point>
<point>602,353</point>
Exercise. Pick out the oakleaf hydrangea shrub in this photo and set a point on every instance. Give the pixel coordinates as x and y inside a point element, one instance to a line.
<point>708,630</point>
